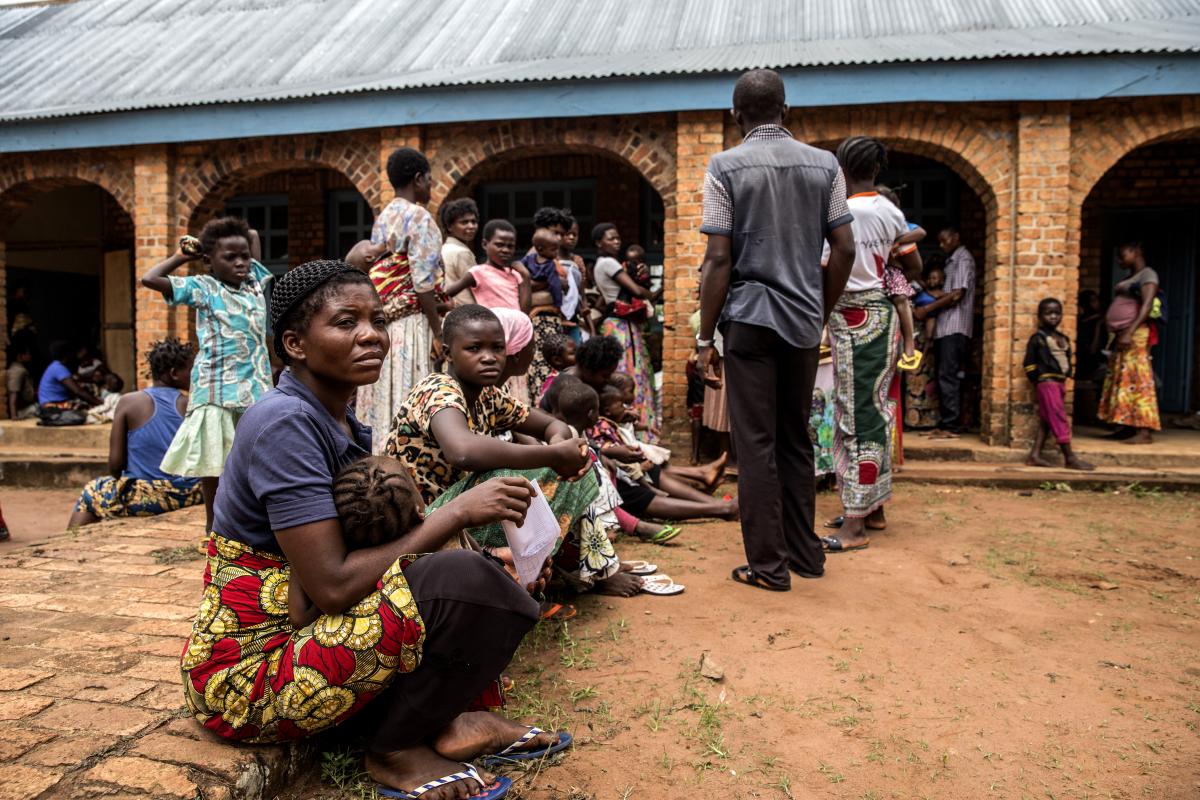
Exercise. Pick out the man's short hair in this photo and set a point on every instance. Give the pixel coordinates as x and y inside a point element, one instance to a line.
<point>759,95</point>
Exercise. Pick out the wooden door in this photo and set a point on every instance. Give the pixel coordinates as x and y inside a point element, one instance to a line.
<point>117,316</point>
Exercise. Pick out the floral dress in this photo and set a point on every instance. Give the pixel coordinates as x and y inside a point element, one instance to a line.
<point>585,549</point>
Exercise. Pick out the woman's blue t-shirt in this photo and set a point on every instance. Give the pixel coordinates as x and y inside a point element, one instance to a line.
<point>280,471</point>
<point>50,388</point>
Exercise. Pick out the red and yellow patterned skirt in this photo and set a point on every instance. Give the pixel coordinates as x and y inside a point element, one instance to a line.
<point>249,675</point>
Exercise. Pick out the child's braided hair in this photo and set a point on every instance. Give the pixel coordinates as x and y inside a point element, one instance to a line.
<point>377,501</point>
<point>862,157</point>
<point>167,355</point>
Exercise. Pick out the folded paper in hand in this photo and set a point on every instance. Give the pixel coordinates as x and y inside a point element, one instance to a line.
<point>533,542</point>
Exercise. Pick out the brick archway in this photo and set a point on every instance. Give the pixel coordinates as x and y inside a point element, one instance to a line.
<point>207,175</point>
<point>1100,139</point>
<point>647,144</point>
<point>22,178</point>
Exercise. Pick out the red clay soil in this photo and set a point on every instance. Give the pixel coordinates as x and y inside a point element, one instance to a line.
<point>988,645</point>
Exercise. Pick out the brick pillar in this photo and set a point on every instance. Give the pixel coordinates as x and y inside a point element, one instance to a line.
<point>698,136</point>
<point>3,329</point>
<point>1045,259</point>
<point>152,242</point>
<point>389,140</point>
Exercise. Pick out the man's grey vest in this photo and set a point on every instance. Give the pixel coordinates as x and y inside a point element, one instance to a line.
<point>780,190</point>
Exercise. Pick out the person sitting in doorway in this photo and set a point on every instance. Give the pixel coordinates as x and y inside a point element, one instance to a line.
<point>59,388</point>
<point>22,394</point>
<point>144,425</point>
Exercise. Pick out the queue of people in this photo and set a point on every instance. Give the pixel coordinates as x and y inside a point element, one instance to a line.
<point>359,573</point>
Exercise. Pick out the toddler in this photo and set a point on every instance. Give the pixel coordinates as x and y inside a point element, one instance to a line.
<point>898,287</point>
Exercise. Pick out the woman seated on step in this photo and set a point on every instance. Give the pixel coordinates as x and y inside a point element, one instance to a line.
<point>402,645</point>
<point>144,424</point>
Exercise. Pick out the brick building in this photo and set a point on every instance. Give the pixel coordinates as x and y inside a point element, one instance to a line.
<point>1047,133</point>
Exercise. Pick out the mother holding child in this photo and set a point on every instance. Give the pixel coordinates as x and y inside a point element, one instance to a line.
<point>314,615</point>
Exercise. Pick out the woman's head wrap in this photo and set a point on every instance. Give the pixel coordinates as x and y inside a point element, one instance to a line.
<point>291,289</point>
<point>518,329</point>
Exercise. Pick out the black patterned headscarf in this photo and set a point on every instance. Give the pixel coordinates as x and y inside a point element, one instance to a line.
<point>291,289</point>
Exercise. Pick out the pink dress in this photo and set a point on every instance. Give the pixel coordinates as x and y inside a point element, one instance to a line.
<point>496,287</point>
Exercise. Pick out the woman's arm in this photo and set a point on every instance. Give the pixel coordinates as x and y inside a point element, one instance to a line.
<point>1125,338</point>
<point>632,286</point>
<point>471,452</point>
<point>545,427</point>
<point>467,281</point>
<point>913,236</point>
<point>301,610</point>
<point>336,579</point>
<point>525,290</point>
<point>117,455</point>
<point>76,388</point>
<point>156,277</point>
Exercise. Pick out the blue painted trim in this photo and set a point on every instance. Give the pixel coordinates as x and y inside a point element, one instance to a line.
<point>1079,78</point>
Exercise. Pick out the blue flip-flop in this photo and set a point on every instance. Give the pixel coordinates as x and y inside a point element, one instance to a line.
<point>512,753</point>
<point>494,791</point>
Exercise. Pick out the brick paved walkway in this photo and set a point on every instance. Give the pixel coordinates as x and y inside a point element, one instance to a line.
<point>91,628</point>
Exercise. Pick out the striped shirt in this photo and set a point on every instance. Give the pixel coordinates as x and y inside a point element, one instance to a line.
<point>960,317</point>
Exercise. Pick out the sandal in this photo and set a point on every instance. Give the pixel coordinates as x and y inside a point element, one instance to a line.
<point>665,535</point>
<point>640,567</point>
<point>747,576</point>
<point>832,544</point>
<point>512,753</point>
<point>838,522</point>
<point>497,789</point>
<point>559,612</point>
<point>661,585</point>
<point>910,363</point>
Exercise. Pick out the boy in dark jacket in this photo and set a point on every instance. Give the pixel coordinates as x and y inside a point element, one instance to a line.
<point>1048,365</point>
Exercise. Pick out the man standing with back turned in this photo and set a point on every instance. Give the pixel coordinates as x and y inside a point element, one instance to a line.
<point>769,205</point>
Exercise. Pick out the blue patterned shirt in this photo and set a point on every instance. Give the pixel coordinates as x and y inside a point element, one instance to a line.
<point>232,369</point>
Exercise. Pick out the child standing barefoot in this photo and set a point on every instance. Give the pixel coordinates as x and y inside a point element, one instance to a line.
<point>1048,365</point>
<point>232,368</point>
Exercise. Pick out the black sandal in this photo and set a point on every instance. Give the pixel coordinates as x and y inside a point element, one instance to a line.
<point>744,574</point>
<point>833,544</point>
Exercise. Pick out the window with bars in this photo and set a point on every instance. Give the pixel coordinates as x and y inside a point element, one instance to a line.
<point>517,202</point>
<point>350,219</point>
<point>267,214</point>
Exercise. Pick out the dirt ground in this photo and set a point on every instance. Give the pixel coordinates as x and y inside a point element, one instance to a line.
<point>988,645</point>
<point>35,515</point>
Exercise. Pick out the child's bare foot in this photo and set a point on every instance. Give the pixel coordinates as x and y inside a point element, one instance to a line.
<point>413,767</point>
<point>1079,464</point>
<point>1034,460</point>
<point>476,733</point>
<point>714,471</point>
<point>620,585</point>
<point>731,512</point>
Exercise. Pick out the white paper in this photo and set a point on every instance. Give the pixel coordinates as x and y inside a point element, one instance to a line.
<point>533,542</point>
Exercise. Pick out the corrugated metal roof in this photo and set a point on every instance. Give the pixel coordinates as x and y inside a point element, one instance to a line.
<point>96,56</point>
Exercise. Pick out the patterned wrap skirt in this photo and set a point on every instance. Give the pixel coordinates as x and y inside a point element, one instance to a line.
<point>866,342</point>
<point>108,496</point>
<point>584,549</point>
<point>406,364</point>
<point>1129,396</point>
<point>638,366</point>
<point>249,675</point>
<point>545,325</point>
